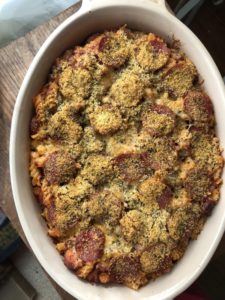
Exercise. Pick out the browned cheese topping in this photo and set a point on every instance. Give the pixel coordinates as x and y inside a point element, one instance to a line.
<point>125,161</point>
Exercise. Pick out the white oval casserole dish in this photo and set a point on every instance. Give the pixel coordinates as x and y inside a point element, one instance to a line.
<point>95,16</point>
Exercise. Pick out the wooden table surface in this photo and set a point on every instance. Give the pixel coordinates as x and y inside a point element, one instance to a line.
<point>14,62</point>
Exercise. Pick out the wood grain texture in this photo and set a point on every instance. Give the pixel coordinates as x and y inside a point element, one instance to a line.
<point>14,62</point>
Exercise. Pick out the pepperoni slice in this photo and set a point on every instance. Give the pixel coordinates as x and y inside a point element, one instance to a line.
<point>197,131</point>
<point>103,43</point>
<point>198,106</point>
<point>207,207</point>
<point>89,244</point>
<point>158,120</point>
<point>124,268</point>
<point>64,129</point>
<point>34,125</point>
<point>152,55</point>
<point>132,166</point>
<point>179,79</point>
<point>162,109</point>
<point>59,167</point>
<point>159,46</point>
<point>165,197</point>
<point>112,50</point>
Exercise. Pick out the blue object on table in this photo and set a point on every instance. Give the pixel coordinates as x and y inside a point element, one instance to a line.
<point>9,239</point>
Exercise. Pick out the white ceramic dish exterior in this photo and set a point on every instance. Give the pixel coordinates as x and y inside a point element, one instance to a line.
<point>94,16</point>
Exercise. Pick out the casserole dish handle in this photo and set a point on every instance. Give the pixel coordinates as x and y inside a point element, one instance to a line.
<point>87,4</point>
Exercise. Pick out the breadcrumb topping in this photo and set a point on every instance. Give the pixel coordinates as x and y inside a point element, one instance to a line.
<point>125,161</point>
<point>106,119</point>
<point>127,91</point>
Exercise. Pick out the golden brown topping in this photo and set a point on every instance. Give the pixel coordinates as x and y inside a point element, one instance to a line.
<point>75,82</point>
<point>127,91</point>
<point>158,120</point>
<point>180,197</point>
<point>204,185</point>
<point>60,167</point>
<point>153,189</point>
<point>181,223</point>
<point>106,119</point>
<point>151,53</point>
<point>132,166</point>
<point>113,50</point>
<point>179,79</point>
<point>162,153</point>
<point>77,189</point>
<point>125,161</point>
<point>86,60</point>
<point>206,151</point>
<point>46,102</point>
<point>97,169</point>
<point>155,260</point>
<point>104,206</point>
<point>63,128</point>
<point>91,142</point>
<point>132,225</point>
<point>67,203</point>
<point>71,108</point>
<point>198,106</point>
<point>179,250</point>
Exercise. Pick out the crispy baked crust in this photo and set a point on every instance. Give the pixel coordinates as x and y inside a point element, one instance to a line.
<point>125,162</point>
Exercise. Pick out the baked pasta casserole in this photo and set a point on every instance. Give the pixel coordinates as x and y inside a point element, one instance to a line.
<point>125,161</point>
